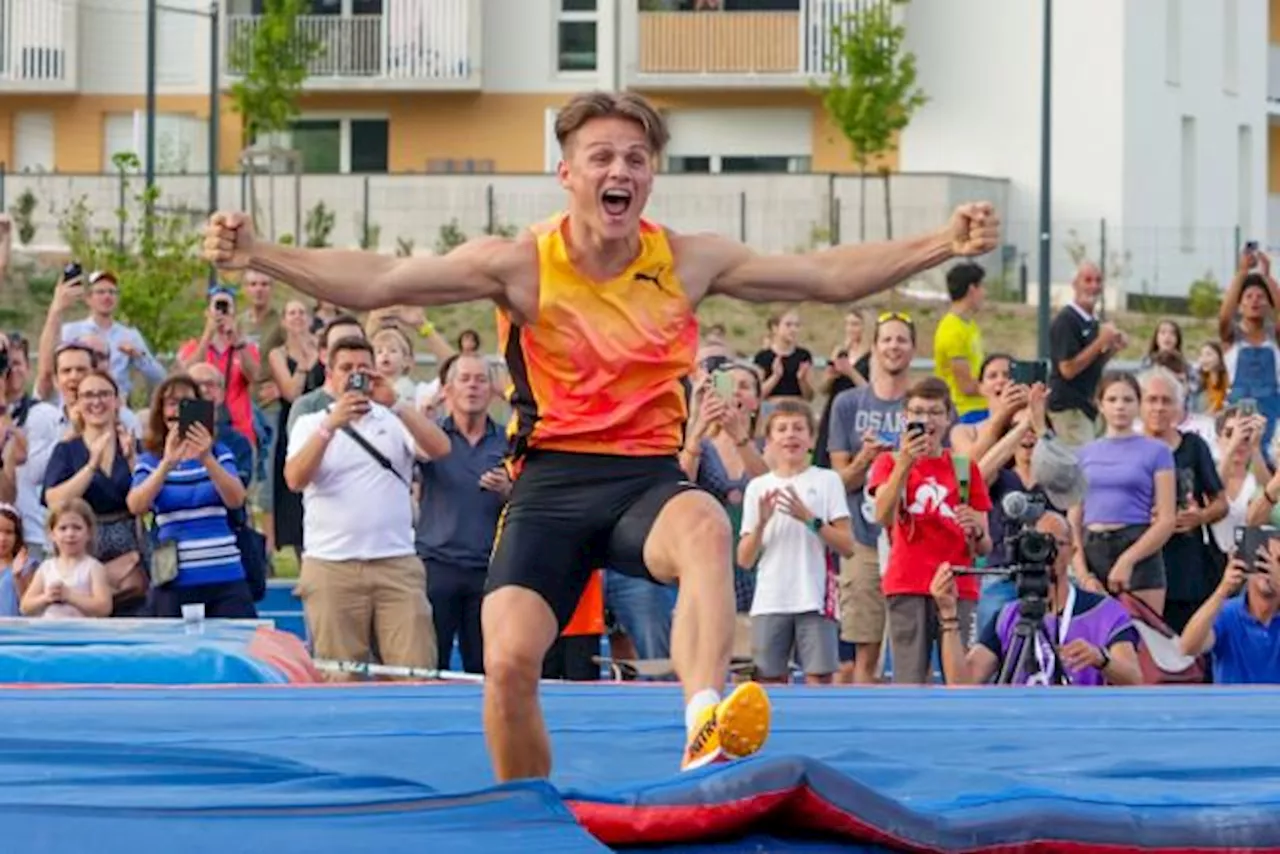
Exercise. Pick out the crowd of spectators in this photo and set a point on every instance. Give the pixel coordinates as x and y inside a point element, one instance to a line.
<point>864,495</point>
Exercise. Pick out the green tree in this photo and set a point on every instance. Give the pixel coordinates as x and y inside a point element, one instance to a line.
<point>22,213</point>
<point>155,256</point>
<point>273,59</point>
<point>870,92</point>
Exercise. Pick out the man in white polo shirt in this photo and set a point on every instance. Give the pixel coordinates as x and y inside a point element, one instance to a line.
<point>353,463</point>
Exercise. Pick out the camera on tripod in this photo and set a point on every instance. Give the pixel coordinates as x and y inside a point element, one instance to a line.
<point>1032,554</point>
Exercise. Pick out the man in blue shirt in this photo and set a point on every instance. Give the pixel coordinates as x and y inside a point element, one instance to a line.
<point>1241,631</point>
<point>463,494</point>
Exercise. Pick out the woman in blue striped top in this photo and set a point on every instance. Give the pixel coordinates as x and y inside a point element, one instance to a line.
<point>191,484</point>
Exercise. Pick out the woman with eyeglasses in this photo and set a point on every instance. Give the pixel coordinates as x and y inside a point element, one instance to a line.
<point>95,464</point>
<point>192,485</point>
<point>1130,504</point>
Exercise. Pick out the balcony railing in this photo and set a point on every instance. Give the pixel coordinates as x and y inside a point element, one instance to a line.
<point>431,42</point>
<point>785,48</point>
<point>37,45</point>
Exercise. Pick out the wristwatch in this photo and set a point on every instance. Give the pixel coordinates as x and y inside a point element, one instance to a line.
<point>816,524</point>
<point>1106,659</point>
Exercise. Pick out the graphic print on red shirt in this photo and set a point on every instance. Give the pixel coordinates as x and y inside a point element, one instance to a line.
<point>926,532</point>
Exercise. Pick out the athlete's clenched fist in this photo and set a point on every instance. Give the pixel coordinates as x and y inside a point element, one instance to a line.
<point>228,240</point>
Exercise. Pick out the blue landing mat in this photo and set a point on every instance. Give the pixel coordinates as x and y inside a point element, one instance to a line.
<point>325,769</point>
<point>137,652</point>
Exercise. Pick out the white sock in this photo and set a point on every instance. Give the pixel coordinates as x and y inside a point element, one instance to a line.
<point>701,701</point>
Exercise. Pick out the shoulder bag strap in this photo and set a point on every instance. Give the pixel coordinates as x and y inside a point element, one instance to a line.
<point>377,455</point>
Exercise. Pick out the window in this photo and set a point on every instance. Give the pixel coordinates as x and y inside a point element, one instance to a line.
<point>340,146</point>
<point>1230,46</point>
<point>33,141</point>
<point>576,31</point>
<point>716,165</point>
<point>1244,180</point>
<point>182,141</point>
<point>1173,42</point>
<point>1188,183</point>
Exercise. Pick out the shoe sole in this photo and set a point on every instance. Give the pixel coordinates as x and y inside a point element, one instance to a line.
<point>743,719</point>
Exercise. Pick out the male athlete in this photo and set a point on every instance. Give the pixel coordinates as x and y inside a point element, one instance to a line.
<point>596,322</point>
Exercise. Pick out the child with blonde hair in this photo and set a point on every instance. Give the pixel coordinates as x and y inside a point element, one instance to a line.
<point>71,584</point>
<point>393,357</point>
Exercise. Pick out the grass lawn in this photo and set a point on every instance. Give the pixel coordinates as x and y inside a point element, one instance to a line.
<point>1006,327</point>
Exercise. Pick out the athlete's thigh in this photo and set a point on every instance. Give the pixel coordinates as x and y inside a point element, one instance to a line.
<point>552,560</point>
<point>626,547</point>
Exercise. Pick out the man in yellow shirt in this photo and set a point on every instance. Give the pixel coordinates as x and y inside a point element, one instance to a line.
<point>957,343</point>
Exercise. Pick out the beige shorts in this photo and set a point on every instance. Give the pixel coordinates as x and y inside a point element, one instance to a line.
<point>347,602</point>
<point>862,609</point>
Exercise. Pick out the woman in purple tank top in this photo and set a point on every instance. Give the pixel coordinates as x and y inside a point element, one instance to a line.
<point>1130,505</point>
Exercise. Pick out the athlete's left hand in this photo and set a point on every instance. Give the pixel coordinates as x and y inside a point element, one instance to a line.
<point>790,502</point>
<point>974,229</point>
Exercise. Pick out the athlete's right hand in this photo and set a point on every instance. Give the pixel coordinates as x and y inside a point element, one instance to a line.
<point>228,240</point>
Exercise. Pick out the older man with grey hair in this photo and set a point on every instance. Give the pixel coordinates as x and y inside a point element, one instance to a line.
<point>1193,562</point>
<point>1080,346</point>
<point>462,497</point>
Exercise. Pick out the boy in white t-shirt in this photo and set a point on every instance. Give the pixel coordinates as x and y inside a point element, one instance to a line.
<point>795,527</point>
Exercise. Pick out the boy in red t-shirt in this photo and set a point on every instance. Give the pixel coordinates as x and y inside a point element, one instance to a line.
<point>932,516</point>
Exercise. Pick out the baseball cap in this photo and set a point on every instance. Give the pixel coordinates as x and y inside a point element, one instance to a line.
<point>100,275</point>
<point>1057,472</point>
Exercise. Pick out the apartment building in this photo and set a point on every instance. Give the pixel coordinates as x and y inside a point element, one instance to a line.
<point>438,85</point>
<point>1160,106</point>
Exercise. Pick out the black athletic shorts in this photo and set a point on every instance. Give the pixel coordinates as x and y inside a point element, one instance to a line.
<point>570,514</point>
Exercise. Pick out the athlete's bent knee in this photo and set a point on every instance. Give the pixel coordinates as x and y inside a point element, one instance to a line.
<point>518,628</point>
<point>692,529</point>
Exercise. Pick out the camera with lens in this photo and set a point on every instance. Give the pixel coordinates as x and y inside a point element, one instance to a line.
<point>1031,553</point>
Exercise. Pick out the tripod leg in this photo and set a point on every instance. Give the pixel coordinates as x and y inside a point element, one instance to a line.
<point>1009,666</point>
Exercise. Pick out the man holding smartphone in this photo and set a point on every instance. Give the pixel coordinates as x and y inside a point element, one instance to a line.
<point>936,512</point>
<point>865,423</point>
<point>1241,629</point>
<point>222,346</point>
<point>353,464</point>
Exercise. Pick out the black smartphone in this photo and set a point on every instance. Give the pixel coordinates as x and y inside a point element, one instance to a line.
<point>1024,372</point>
<point>915,428</point>
<point>1186,488</point>
<point>194,411</point>
<point>72,271</point>
<point>222,305</point>
<point>359,382</point>
<point>1250,540</point>
<point>1251,246</point>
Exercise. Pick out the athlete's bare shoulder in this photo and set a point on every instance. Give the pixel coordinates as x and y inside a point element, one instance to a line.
<point>701,258</point>
<point>510,261</point>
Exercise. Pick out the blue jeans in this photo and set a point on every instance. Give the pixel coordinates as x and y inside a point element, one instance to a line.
<point>643,609</point>
<point>996,593</point>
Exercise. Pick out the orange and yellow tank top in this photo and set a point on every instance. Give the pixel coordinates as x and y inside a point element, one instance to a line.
<point>603,367</point>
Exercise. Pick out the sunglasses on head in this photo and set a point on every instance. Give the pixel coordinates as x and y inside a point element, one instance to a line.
<point>887,316</point>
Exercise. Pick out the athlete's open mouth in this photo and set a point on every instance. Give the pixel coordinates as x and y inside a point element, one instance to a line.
<point>615,201</point>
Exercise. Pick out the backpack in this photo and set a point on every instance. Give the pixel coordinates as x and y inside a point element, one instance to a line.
<point>1161,661</point>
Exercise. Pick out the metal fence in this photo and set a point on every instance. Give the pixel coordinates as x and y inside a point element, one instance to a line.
<point>773,213</point>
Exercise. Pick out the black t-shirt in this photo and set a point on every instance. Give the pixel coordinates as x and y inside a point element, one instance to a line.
<point>821,454</point>
<point>1194,568</point>
<point>789,385</point>
<point>1069,335</point>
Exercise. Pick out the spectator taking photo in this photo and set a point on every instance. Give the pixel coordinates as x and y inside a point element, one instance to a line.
<point>1097,642</point>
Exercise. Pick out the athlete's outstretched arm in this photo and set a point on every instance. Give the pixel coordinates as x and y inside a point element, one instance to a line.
<point>843,274</point>
<point>361,280</point>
